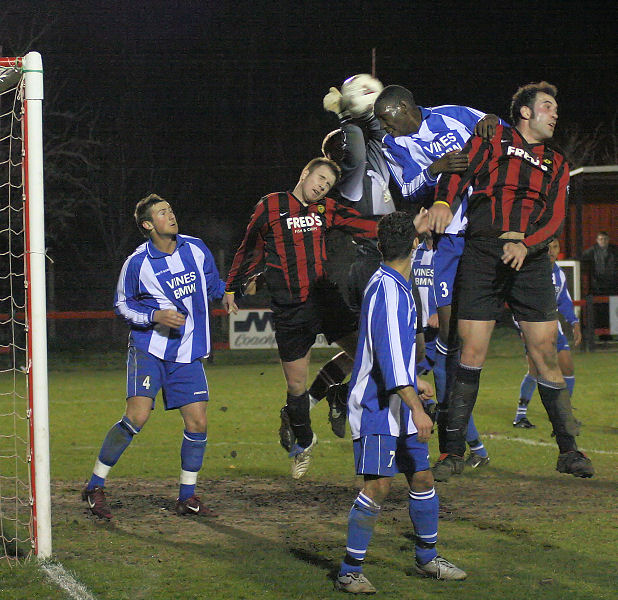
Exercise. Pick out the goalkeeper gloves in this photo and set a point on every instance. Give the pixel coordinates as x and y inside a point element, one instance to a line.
<point>333,102</point>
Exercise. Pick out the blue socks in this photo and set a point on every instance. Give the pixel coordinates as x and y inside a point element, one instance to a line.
<point>191,458</point>
<point>528,385</point>
<point>474,439</point>
<point>361,521</point>
<point>423,508</point>
<point>115,443</point>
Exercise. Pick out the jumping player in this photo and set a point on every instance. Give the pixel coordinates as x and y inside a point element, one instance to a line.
<point>565,360</point>
<point>163,293</point>
<point>287,232</point>
<point>422,145</point>
<point>356,147</point>
<point>518,204</point>
<point>389,426</point>
<point>423,274</point>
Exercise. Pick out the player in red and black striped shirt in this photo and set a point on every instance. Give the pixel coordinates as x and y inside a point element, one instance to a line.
<point>518,204</point>
<point>286,235</point>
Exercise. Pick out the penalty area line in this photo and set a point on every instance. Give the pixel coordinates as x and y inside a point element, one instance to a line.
<point>66,581</point>
<point>507,438</point>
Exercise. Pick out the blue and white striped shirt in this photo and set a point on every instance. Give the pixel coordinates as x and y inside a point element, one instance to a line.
<point>443,129</point>
<point>563,298</point>
<point>385,358</point>
<point>422,271</point>
<point>185,280</point>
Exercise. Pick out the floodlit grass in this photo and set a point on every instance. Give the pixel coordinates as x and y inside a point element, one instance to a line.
<point>518,527</point>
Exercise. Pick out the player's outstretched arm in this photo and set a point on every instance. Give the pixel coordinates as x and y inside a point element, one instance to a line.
<point>451,162</point>
<point>486,127</point>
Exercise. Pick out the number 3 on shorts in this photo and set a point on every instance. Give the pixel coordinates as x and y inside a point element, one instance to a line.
<point>444,287</point>
<point>146,382</point>
<point>392,453</point>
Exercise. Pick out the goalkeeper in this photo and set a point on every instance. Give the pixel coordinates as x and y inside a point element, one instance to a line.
<point>357,148</point>
<point>163,293</point>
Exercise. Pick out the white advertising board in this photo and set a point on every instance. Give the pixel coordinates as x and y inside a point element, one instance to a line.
<point>252,329</point>
<point>613,315</point>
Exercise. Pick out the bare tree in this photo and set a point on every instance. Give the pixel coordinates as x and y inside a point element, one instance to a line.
<point>591,148</point>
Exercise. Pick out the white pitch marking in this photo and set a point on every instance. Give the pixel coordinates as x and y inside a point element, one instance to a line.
<point>493,436</point>
<point>65,580</point>
<point>497,436</point>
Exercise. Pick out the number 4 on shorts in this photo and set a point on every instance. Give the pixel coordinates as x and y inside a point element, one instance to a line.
<point>146,382</point>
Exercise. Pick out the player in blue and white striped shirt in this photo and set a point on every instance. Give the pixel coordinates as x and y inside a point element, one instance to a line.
<point>163,293</point>
<point>390,428</point>
<point>423,273</point>
<point>565,360</point>
<point>422,143</point>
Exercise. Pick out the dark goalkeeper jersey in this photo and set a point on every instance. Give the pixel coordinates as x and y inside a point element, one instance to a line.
<point>517,187</point>
<point>290,239</point>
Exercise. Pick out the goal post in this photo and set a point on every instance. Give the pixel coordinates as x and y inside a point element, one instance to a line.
<point>23,194</point>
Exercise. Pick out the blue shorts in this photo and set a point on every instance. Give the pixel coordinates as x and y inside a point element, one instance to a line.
<point>387,455</point>
<point>562,343</point>
<point>449,248</point>
<point>181,383</point>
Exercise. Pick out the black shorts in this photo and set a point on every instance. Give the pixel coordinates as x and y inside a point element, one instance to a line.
<point>484,283</point>
<point>364,266</point>
<point>297,325</point>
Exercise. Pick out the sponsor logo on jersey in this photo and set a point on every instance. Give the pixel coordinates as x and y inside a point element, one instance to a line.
<point>183,285</point>
<point>443,143</point>
<point>423,276</point>
<point>521,153</point>
<point>308,223</point>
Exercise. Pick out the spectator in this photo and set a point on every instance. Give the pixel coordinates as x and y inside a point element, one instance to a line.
<point>601,260</point>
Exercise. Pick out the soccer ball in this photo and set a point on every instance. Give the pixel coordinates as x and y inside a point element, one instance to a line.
<point>359,93</point>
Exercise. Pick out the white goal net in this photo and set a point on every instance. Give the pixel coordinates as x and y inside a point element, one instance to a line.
<point>24,441</point>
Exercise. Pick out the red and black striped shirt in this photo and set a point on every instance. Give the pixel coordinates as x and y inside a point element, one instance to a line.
<point>517,186</point>
<point>290,238</point>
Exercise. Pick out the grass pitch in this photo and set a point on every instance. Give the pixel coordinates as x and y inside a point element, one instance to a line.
<point>519,528</point>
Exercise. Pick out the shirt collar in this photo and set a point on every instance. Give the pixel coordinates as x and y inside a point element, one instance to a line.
<point>154,252</point>
<point>396,275</point>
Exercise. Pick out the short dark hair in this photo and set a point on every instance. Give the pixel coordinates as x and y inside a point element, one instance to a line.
<point>395,94</point>
<point>526,95</point>
<point>313,164</point>
<point>396,235</point>
<point>603,233</point>
<point>142,211</point>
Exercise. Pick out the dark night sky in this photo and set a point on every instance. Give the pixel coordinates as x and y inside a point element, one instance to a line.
<point>240,82</point>
<point>227,96</point>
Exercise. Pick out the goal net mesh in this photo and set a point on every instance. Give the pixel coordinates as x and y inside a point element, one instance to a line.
<point>16,516</point>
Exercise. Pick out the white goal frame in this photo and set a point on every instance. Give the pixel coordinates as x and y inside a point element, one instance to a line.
<point>31,68</point>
